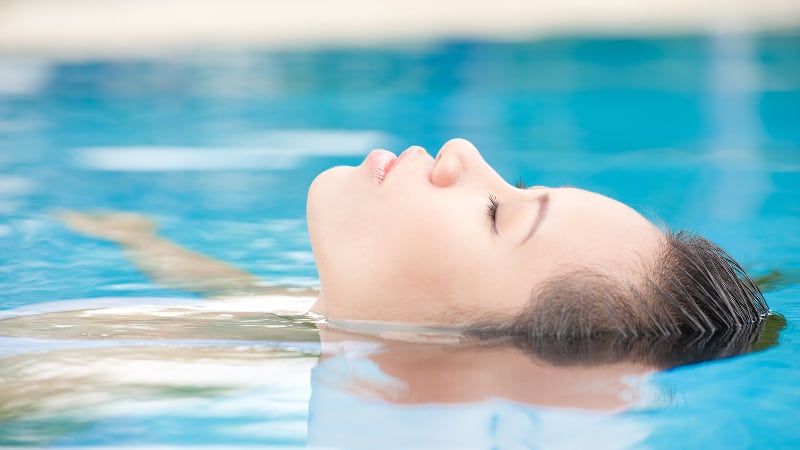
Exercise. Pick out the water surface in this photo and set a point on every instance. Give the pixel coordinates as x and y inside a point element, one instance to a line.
<point>219,147</point>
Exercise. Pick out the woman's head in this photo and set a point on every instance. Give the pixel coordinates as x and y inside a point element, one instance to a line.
<point>448,241</point>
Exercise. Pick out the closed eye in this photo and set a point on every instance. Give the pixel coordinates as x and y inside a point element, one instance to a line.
<point>491,211</point>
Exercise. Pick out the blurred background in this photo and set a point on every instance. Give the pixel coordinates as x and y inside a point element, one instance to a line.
<point>121,28</point>
<point>215,116</point>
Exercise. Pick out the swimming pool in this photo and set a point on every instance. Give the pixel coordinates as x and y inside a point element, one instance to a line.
<point>699,132</point>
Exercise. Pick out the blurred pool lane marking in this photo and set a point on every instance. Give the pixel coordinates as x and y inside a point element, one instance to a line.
<point>276,150</point>
<point>14,190</point>
<point>16,185</point>
<point>24,76</point>
<point>165,159</point>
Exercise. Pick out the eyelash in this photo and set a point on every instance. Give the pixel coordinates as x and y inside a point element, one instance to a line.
<point>491,208</point>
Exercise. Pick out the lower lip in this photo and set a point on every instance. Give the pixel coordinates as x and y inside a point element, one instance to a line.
<point>380,162</point>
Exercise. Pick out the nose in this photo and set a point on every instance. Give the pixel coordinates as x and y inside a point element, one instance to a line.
<point>455,159</point>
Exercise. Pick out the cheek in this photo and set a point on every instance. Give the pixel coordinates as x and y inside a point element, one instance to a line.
<point>335,209</point>
<point>407,253</point>
<point>435,254</point>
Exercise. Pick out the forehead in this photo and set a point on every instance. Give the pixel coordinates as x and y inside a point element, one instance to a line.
<point>587,204</point>
<point>588,230</point>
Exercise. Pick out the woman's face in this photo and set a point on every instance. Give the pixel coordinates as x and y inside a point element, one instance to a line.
<point>448,241</point>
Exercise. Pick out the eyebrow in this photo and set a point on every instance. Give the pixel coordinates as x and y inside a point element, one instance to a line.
<point>544,201</point>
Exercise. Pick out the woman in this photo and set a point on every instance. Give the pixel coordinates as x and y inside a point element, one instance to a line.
<point>420,240</point>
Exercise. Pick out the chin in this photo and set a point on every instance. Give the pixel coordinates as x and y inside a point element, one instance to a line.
<point>319,202</point>
<point>329,218</point>
<point>324,196</point>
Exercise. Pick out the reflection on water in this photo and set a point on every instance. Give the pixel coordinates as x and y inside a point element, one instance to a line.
<point>494,397</point>
<point>121,368</point>
<point>701,131</point>
<point>57,395</point>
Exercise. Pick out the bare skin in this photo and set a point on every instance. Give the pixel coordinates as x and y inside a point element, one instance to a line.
<point>428,374</point>
<point>446,240</point>
<point>50,384</point>
<point>168,263</point>
<point>435,241</point>
<point>415,247</point>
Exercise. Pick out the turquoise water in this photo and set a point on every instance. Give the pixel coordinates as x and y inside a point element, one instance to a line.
<point>220,146</point>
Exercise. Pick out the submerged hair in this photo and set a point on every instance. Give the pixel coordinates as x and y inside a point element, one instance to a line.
<point>692,296</point>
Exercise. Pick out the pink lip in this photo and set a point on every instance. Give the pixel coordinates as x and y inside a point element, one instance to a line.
<point>380,162</point>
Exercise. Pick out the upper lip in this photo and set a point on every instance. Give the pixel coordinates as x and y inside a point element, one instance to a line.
<point>405,157</point>
<point>380,163</point>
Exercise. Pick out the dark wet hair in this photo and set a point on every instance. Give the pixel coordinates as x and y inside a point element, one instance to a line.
<point>693,296</point>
